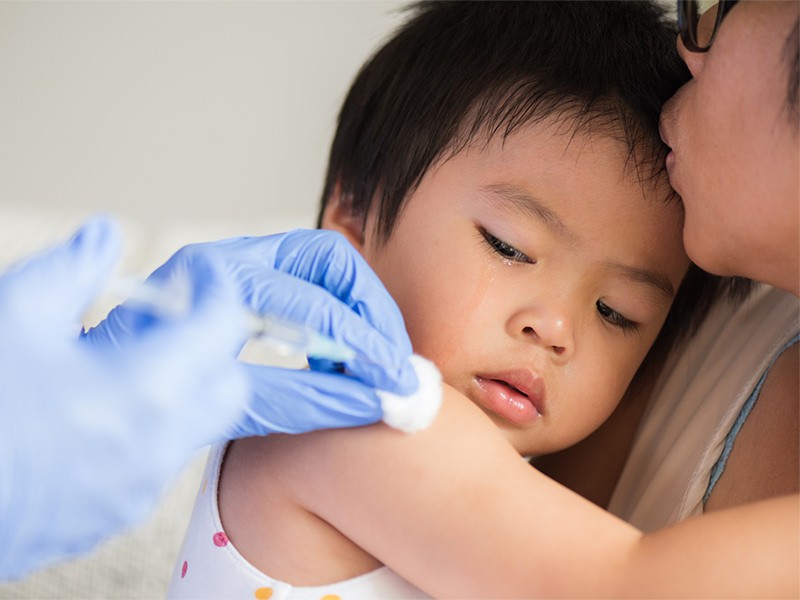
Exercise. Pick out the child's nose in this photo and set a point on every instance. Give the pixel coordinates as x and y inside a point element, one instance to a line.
<point>550,329</point>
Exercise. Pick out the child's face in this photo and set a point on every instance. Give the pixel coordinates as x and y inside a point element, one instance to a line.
<point>536,275</point>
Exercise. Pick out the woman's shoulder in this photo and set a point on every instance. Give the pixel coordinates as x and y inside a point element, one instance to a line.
<point>765,459</point>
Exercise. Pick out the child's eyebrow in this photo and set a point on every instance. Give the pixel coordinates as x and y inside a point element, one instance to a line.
<point>520,201</point>
<point>648,277</point>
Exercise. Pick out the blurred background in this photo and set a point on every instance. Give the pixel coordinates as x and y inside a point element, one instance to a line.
<point>173,113</point>
<point>187,121</point>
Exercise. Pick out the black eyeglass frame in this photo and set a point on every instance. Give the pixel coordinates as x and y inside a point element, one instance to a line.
<point>689,16</point>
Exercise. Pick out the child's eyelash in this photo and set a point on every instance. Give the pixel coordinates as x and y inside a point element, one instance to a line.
<point>507,251</point>
<point>616,319</point>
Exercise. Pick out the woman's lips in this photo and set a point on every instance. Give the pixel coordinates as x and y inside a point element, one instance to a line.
<point>517,396</point>
<point>670,161</point>
<point>662,131</point>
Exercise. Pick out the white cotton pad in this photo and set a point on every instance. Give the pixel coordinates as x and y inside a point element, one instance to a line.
<point>417,411</point>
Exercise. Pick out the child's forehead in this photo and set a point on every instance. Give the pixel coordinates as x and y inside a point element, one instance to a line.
<point>569,136</point>
<point>572,119</point>
<point>557,157</point>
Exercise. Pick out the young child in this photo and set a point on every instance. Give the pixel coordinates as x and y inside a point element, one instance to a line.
<point>499,166</point>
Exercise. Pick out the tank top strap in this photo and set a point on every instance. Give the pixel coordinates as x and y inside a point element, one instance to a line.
<point>719,466</point>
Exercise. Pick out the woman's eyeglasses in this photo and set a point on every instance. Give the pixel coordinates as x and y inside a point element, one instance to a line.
<point>699,20</point>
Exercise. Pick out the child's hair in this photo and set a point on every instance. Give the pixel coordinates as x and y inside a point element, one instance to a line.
<point>460,72</point>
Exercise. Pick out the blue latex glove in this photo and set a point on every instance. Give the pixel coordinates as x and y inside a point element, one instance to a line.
<point>88,437</point>
<point>307,276</point>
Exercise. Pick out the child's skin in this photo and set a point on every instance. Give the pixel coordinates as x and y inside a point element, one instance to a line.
<point>540,260</point>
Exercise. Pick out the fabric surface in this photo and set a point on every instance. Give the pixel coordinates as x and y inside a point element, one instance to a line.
<point>209,566</point>
<point>695,404</point>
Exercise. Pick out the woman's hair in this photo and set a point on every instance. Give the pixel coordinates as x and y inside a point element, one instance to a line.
<point>459,72</point>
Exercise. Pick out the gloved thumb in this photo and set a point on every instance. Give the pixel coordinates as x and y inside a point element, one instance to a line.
<point>56,286</point>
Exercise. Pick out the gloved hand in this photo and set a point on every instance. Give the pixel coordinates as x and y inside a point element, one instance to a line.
<point>89,437</point>
<point>307,276</point>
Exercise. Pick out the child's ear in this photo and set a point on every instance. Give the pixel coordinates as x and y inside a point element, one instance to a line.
<point>338,216</point>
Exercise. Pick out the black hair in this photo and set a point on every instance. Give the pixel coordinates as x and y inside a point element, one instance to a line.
<point>459,70</point>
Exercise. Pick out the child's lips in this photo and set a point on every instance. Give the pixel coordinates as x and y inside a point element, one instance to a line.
<point>518,396</point>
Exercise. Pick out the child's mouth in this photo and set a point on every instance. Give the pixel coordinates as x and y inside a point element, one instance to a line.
<point>517,396</point>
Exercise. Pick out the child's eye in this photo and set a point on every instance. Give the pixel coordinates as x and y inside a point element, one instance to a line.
<point>505,250</point>
<point>616,319</point>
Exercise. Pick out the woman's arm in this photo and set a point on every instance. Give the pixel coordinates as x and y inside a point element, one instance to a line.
<point>457,512</point>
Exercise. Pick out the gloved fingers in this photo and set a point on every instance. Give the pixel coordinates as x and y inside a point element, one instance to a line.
<point>189,286</point>
<point>324,258</point>
<point>200,410</point>
<point>295,401</point>
<point>186,267</point>
<point>379,362</point>
<point>327,259</point>
<point>215,295</point>
<point>214,327</point>
<point>56,286</point>
<point>188,369</point>
<point>177,363</point>
<point>229,254</point>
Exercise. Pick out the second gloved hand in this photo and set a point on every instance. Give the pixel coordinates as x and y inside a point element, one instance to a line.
<point>90,436</point>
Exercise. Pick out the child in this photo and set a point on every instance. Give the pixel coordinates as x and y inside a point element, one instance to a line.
<point>499,166</point>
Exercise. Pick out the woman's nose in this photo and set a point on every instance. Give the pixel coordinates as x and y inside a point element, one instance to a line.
<point>551,329</point>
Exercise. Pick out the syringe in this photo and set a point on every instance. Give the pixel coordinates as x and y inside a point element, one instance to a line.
<point>285,337</point>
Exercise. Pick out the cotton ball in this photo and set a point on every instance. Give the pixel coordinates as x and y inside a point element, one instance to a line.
<point>417,411</point>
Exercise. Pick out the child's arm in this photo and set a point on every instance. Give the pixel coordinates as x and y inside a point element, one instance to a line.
<point>457,512</point>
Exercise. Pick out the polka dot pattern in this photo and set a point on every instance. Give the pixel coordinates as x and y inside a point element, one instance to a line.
<point>220,539</point>
<point>263,593</point>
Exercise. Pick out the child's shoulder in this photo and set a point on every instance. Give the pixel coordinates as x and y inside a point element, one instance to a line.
<point>264,516</point>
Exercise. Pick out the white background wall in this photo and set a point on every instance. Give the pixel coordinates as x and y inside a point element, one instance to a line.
<point>175,112</point>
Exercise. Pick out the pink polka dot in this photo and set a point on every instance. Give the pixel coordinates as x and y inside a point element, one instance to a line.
<point>220,539</point>
<point>183,569</point>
